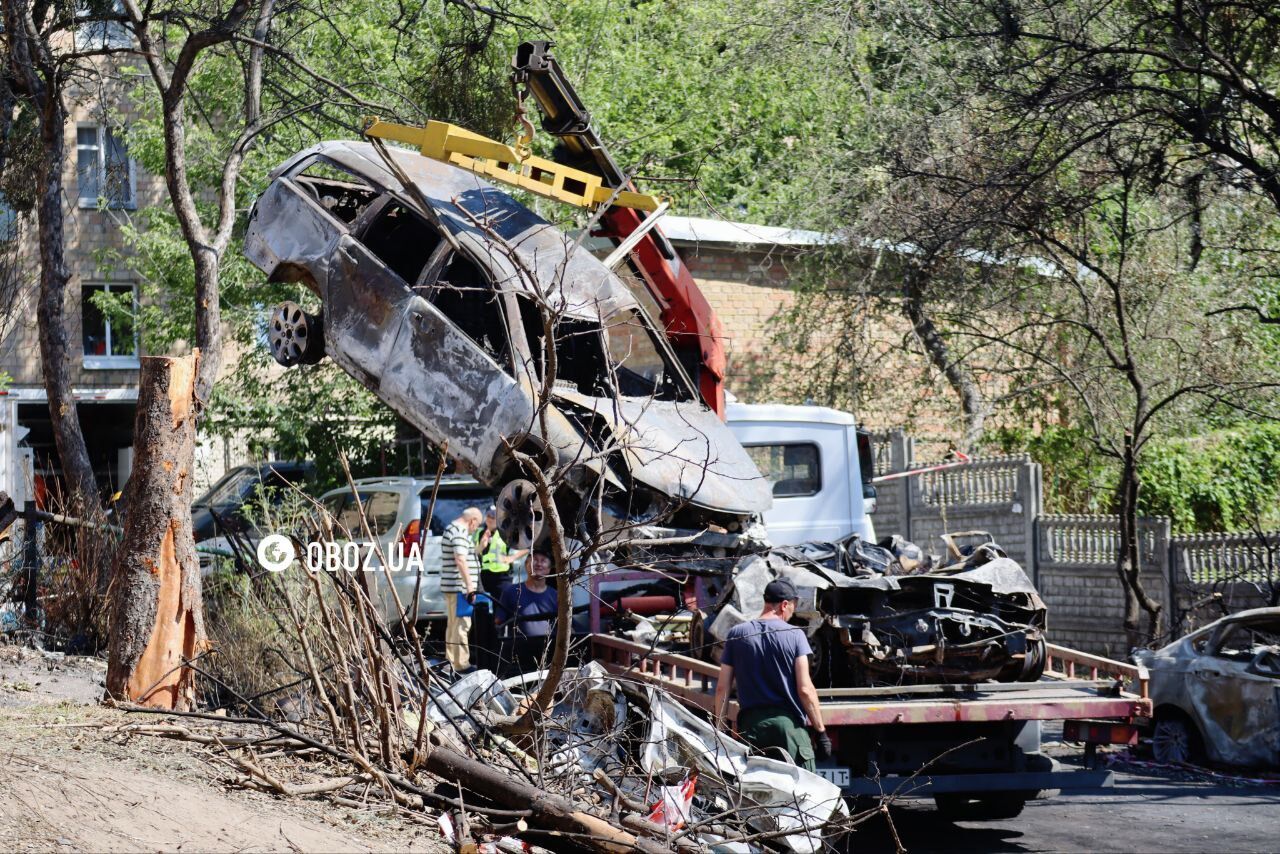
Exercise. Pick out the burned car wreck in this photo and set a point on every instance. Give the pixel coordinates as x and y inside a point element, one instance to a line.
<point>1216,692</point>
<point>872,620</point>
<point>438,293</point>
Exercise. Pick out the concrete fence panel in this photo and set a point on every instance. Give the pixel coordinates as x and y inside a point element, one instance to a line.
<point>1076,574</point>
<point>1072,558</point>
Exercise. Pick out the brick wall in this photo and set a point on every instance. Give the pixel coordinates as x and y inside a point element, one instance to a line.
<point>87,233</point>
<point>749,287</point>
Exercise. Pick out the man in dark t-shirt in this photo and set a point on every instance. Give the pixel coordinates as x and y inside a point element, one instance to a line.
<point>529,610</point>
<point>768,658</point>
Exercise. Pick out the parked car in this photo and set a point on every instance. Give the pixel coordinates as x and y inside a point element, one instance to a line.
<point>433,294</point>
<point>396,510</point>
<point>225,510</point>
<point>1216,692</point>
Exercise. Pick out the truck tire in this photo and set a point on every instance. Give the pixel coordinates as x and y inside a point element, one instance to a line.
<point>986,806</point>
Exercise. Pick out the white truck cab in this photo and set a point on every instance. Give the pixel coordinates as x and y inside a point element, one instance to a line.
<point>819,464</point>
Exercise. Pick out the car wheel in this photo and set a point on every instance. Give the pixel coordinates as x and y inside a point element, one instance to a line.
<point>1033,664</point>
<point>296,337</point>
<point>519,514</point>
<point>1174,740</point>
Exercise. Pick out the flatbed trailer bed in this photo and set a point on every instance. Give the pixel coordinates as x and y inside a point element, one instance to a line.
<point>967,746</point>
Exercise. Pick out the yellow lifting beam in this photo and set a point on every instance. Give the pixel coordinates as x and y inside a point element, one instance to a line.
<point>500,162</point>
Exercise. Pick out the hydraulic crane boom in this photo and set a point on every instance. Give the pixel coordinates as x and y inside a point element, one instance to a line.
<point>691,325</point>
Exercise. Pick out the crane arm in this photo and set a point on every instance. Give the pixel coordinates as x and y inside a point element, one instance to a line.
<point>691,325</point>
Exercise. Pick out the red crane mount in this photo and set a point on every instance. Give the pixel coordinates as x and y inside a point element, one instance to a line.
<point>691,324</point>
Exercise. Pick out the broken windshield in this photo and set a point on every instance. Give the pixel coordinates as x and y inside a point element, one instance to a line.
<point>638,366</point>
<point>619,359</point>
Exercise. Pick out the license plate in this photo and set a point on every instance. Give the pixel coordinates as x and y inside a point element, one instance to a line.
<point>838,776</point>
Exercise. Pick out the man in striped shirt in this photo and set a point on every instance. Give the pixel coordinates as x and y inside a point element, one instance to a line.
<point>459,574</point>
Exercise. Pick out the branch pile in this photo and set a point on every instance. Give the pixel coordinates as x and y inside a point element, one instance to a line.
<point>612,765</point>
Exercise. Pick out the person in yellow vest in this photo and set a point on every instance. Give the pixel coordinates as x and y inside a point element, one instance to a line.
<point>495,557</point>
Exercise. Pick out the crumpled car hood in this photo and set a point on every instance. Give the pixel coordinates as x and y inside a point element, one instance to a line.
<point>681,449</point>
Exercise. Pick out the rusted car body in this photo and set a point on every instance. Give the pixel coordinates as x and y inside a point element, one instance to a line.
<point>434,288</point>
<point>1216,692</point>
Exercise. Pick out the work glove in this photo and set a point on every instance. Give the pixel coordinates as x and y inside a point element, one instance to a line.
<point>822,745</point>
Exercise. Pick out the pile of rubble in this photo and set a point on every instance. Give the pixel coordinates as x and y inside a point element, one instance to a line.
<point>633,753</point>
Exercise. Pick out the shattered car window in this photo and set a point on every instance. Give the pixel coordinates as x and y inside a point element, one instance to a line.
<point>339,192</point>
<point>465,295</point>
<point>638,366</point>
<point>619,358</point>
<point>401,239</point>
<point>1243,641</point>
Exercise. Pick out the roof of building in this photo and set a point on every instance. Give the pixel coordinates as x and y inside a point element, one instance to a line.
<point>692,229</point>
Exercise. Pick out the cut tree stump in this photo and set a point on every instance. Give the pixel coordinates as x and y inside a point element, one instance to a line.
<point>157,616</point>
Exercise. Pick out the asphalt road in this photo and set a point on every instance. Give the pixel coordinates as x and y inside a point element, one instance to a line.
<point>1146,811</point>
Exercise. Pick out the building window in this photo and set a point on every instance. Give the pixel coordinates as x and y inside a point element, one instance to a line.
<point>94,33</point>
<point>106,314</point>
<point>791,469</point>
<point>104,169</point>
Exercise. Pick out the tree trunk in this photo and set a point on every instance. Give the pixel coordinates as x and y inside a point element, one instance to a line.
<point>36,74</point>
<point>1129,555</point>
<point>972,404</point>
<point>548,809</point>
<point>157,620</point>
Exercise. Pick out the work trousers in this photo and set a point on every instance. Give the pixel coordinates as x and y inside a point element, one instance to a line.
<point>495,582</point>
<point>774,726</point>
<point>457,641</point>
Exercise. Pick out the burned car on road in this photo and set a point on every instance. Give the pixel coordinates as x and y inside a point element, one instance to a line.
<point>873,619</point>
<point>437,292</point>
<point>1216,692</point>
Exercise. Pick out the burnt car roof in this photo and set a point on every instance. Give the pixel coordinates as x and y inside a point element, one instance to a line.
<point>475,211</point>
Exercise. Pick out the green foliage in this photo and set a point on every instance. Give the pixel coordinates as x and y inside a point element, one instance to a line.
<point>1226,480</point>
<point>1223,481</point>
<point>1076,478</point>
<point>737,96</point>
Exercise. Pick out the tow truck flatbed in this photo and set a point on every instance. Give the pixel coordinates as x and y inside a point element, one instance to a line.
<point>890,739</point>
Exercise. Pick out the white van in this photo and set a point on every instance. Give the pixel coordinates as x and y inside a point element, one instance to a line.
<point>820,466</point>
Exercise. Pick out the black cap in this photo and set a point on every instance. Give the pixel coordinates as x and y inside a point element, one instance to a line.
<point>780,590</point>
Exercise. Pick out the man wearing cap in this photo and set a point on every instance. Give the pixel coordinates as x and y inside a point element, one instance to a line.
<point>768,659</point>
<point>529,610</point>
<point>495,556</point>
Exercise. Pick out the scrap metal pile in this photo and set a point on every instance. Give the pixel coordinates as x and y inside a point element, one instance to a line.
<point>877,614</point>
<point>646,759</point>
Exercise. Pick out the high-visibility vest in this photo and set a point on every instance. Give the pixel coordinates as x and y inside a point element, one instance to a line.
<point>490,561</point>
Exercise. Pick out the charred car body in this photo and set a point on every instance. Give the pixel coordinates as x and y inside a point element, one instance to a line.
<point>1216,692</point>
<point>872,621</point>
<point>434,288</point>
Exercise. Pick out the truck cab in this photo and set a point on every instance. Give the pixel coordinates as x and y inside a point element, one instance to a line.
<point>819,466</point>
